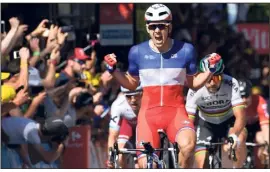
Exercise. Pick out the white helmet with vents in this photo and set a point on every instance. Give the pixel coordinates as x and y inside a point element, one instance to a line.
<point>158,12</point>
<point>129,92</point>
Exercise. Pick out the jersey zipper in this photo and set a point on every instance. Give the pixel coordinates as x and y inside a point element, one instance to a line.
<point>161,81</point>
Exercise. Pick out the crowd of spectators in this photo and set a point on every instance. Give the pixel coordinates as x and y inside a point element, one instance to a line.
<point>41,85</point>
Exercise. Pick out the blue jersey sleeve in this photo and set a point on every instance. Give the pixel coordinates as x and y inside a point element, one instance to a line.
<point>133,58</point>
<point>191,59</point>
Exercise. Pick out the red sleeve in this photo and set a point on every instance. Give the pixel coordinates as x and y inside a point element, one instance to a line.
<point>263,111</point>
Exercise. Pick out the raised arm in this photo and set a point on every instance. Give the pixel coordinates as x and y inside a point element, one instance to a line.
<point>6,42</point>
<point>49,80</point>
<point>129,80</point>
<point>210,64</point>
<point>23,78</point>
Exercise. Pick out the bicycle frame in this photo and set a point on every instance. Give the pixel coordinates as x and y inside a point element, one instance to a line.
<point>212,153</point>
<point>173,155</point>
<point>149,151</point>
<point>149,154</point>
<point>249,160</point>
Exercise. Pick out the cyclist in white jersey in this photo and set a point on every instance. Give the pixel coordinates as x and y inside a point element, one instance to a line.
<point>123,121</point>
<point>221,114</point>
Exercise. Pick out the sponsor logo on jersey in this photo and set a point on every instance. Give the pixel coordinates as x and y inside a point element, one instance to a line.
<point>216,96</point>
<point>149,57</point>
<point>217,102</point>
<point>174,56</point>
<point>114,118</point>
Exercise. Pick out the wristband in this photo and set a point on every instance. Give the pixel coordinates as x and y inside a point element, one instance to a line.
<point>36,53</point>
<point>53,61</point>
<point>23,64</point>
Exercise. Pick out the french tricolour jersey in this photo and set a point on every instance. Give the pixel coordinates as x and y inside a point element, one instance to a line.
<point>121,109</point>
<point>162,75</point>
<point>215,107</point>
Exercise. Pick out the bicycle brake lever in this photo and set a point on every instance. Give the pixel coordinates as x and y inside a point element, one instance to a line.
<point>147,146</point>
<point>115,145</point>
<point>234,155</point>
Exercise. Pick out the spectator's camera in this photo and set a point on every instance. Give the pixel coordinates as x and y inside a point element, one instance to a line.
<point>92,36</point>
<point>3,26</point>
<point>47,25</point>
<point>16,54</point>
<point>36,90</point>
<point>67,28</point>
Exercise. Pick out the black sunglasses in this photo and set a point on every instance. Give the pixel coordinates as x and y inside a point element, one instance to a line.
<point>245,96</point>
<point>81,62</point>
<point>159,26</point>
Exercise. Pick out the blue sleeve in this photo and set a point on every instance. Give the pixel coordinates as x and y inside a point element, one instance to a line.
<point>133,58</point>
<point>191,59</point>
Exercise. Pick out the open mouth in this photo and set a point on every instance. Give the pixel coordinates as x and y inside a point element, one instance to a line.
<point>158,39</point>
<point>134,106</point>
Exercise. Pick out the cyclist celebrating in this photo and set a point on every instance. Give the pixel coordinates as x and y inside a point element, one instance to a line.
<point>123,121</point>
<point>219,106</point>
<point>257,118</point>
<point>163,65</point>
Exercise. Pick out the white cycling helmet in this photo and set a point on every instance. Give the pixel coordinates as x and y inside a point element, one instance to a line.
<point>129,92</point>
<point>158,12</point>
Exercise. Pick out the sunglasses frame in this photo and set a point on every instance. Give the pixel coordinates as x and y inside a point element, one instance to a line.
<point>217,80</point>
<point>81,62</point>
<point>164,26</point>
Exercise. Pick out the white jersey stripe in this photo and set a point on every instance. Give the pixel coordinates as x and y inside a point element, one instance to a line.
<point>170,76</point>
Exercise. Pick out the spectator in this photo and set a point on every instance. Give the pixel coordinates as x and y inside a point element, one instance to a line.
<point>20,130</point>
<point>74,68</point>
<point>17,78</point>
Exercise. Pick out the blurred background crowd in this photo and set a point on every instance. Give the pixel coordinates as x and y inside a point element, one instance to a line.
<point>52,55</point>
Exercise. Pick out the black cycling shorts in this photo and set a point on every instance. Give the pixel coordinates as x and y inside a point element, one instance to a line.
<point>252,130</point>
<point>207,132</point>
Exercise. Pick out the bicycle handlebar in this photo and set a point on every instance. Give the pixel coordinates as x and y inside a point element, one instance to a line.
<point>210,143</point>
<point>133,151</point>
<point>230,140</point>
<point>256,144</point>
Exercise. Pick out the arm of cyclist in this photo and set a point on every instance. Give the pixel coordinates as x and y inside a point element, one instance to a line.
<point>191,105</point>
<point>238,111</point>
<point>197,80</point>
<point>262,110</point>
<point>126,80</point>
<point>114,125</point>
<point>113,135</point>
<point>240,120</point>
<point>265,133</point>
<point>114,128</point>
<point>129,80</point>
